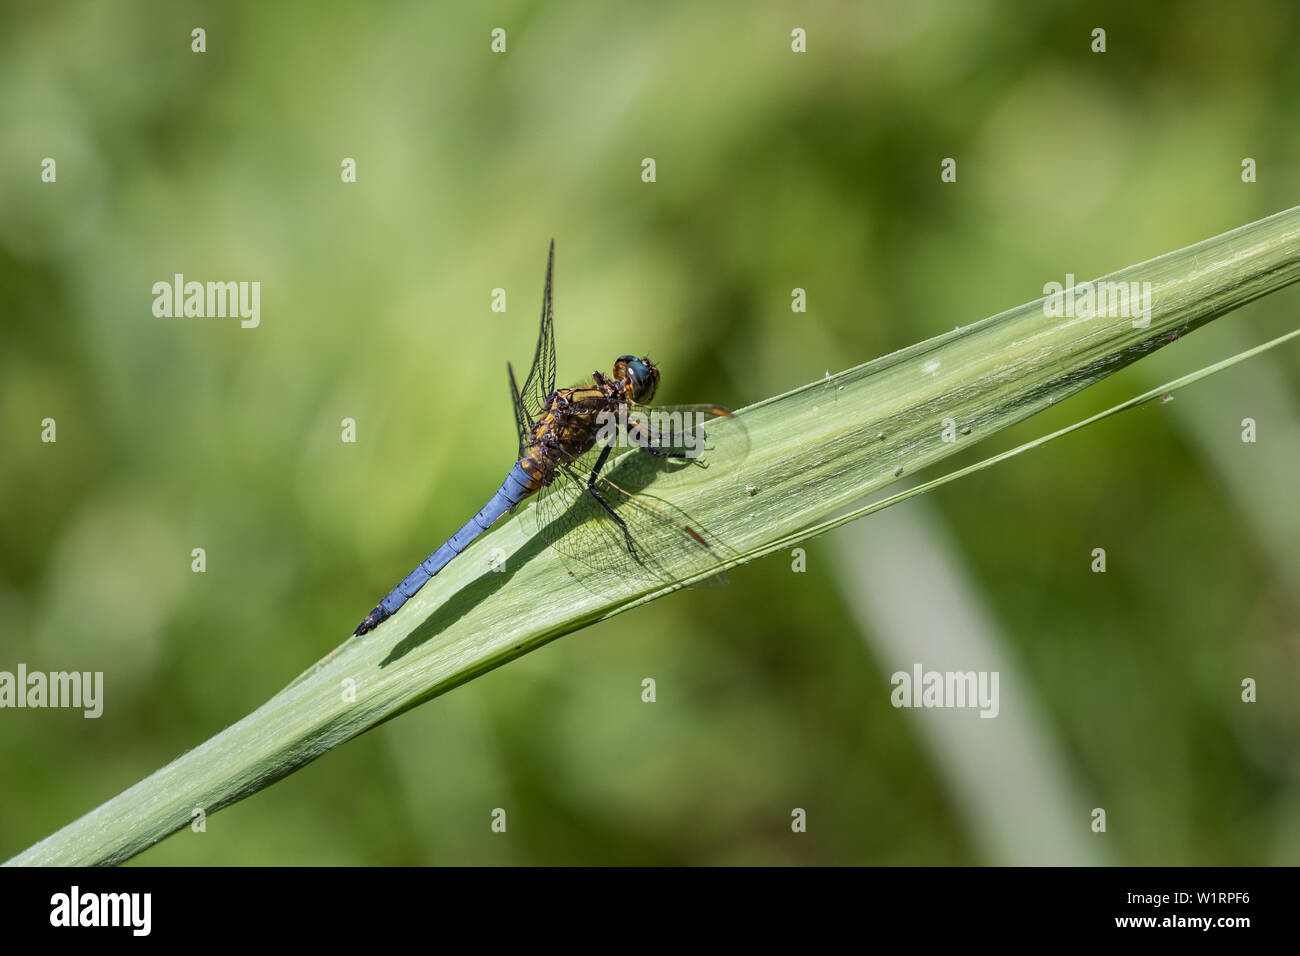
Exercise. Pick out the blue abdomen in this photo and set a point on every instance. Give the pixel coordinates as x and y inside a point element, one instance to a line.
<point>513,490</point>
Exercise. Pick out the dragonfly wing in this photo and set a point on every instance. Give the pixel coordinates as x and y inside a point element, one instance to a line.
<point>541,377</point>
<point>684,437</point>
<point>615,534</point>
<point>523,422</point>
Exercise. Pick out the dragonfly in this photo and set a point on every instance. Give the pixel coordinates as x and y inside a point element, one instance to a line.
<point>573,444</point>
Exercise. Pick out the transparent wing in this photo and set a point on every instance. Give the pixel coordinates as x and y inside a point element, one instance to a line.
<point>523,423</point>
<point>541,377</point>
<point>622,532</point>
<point>705,434</point>
<point>660,546</point>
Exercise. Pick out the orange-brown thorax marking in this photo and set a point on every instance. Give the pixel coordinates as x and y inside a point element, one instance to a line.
<point>568,427</point>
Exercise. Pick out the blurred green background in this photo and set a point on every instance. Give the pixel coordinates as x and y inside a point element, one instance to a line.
<point>775,170</point>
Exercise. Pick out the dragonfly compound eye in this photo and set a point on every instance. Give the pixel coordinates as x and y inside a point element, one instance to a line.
<point>641,374</point>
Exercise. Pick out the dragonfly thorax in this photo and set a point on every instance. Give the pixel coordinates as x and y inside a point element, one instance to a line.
<point>641,376</point>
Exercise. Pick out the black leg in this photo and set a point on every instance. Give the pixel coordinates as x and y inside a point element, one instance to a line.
<point>665,454</point>
<point>591,487</point>
<point>600,463</point>
<point>645,439</point>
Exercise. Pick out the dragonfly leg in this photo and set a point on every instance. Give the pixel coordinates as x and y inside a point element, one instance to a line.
<point>646,439</point>
<point>666,454</point>
<point>595,493</point>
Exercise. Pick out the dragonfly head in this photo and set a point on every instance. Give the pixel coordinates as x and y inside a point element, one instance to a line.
<point>641,374</point>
